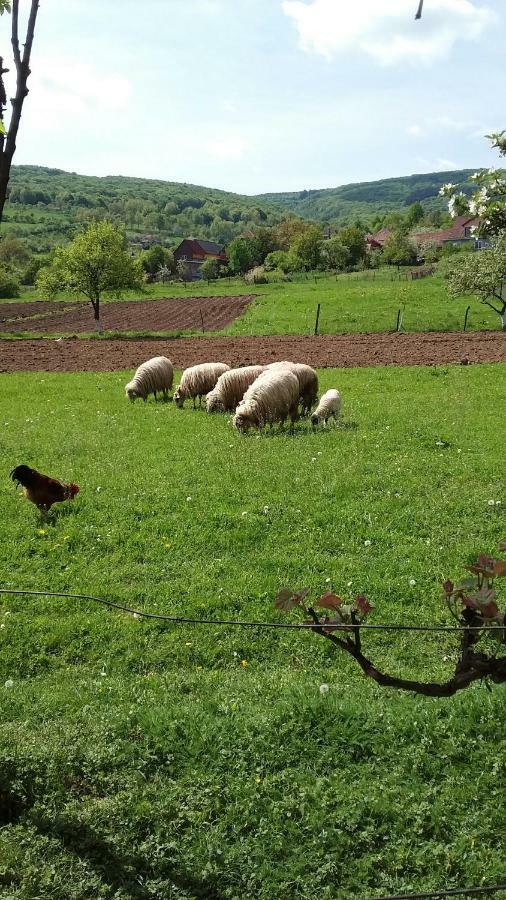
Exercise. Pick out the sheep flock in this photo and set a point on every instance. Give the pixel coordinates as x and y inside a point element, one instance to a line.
<point>256,395</point>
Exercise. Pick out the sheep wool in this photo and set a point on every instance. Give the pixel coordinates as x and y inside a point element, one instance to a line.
<point>308,382</point>
<point>197,381</point>
<point>271,398</point>
<point>154,375</point>
<point>231,387</point>
<point>329,405</point>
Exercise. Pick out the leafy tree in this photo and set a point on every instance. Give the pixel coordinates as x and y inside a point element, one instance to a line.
<point>9,285</point>
<point>482,274</point>
<point>306,249</point>
<point>95,263</point>
<point>278,259</point>
<point>335,254</point>
<point>183,270</point>
<point>240,256</point>
<point>288,230</point>
<point>13,252</point>
<point>398,250</point>
<point>353,238</point>
<point>151,260</point>
<point>414,214</point>
<point>22,65</point>
<point>211,269</point>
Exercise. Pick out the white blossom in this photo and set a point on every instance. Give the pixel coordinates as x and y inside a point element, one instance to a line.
<point>324,689</point>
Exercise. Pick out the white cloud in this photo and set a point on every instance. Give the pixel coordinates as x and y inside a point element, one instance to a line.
<point>386,30</point>
<point>227,147</point>
<point>415,131</point>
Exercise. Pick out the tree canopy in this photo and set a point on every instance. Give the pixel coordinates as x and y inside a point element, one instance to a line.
<point>95,263</point>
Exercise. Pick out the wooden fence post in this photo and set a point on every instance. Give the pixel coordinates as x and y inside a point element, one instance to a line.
<point>317,319</point>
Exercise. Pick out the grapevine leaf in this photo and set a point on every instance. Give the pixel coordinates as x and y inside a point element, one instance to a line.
<point>284,600</point>
<point>363,605</point>
<point>329,601</point>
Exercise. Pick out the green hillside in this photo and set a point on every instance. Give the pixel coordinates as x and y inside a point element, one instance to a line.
<point>367,199</point>
<point>46,206</point>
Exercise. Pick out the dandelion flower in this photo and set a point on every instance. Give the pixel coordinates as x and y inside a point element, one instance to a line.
<point>244,663</point>
<point>367,543</point>
<point>9,683</point>
<point>412,582</point>
<point>324,689</point>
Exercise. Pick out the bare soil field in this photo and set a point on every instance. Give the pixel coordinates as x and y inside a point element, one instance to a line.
<point>17,311</point>
<point>178,314</point>
<point>330,350</point>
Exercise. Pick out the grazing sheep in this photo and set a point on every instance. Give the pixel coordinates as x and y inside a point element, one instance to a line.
<point>153,375</point>
<point>308,382</point>
<point>271,398</point>
<point>329,405</point>
<point>231,387</point>
<point>197,381</point>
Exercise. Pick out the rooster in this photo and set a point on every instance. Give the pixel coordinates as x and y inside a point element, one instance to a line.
<point>42,490</point>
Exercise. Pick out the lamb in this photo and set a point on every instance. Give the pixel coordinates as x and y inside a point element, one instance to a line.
<point>271,398</point>
<point>329,405</point>
<point>197,381</point>
<point>154,375</point>
<point>230,388</point>
<point>308,382</point>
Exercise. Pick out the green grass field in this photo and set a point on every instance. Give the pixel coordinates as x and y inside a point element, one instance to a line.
<point>142,760</point>
<point>349,303</point>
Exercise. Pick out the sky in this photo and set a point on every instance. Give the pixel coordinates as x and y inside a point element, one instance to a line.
<point>259,96</point>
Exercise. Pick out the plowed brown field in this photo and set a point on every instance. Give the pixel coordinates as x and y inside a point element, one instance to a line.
<point>329,350</point>
<point>178,314</point>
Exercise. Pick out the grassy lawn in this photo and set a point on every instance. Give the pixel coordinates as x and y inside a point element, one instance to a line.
<point>142,760</point>
<point>349,303</point>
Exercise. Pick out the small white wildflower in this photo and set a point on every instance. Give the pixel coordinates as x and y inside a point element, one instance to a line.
<point>2,625</point>
<point>103,673</point>
<point>266,510</point>
<point>9,683</point>
<point>327,581</point>
<point>99,489</point>
<point>244,513</point>
<point>412,582</point>
<point>235,653</point>
<point>313,459</point>
<point>136,616</point>
<point>319,452</point>
<point>349,584</point>
<point>324,689</point>
<point>491,502</point>
<point>367,543</point>
<point>188,499</point>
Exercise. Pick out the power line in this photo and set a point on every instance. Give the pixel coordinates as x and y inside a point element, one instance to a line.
<point>302,626</point>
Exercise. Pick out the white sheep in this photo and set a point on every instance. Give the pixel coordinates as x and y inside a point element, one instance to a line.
<point>154,375</point>
<point>271,398</point>
<point>197,381</point>
<point>329,405</point>
<point>231,387</point>
<point>308,382</point>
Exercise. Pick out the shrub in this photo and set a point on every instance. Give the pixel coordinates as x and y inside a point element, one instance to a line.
<point>256,276</point>
<point>9,286</point>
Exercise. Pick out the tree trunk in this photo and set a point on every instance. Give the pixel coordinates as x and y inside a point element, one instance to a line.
<point>8,142</point>
<point>96,315</point>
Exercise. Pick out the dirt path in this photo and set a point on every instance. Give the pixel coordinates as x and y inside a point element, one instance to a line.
<point>339,350</point>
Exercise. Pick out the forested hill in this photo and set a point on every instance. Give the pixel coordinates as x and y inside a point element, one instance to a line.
<point>47,206</point>
<point>367,199</point>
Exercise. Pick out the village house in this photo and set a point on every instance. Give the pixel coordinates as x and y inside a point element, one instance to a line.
<point>194,252</point>
<point>461,232</point>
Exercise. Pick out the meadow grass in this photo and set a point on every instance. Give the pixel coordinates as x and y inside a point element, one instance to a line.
<point>143,760</point>
<point>358,302</point>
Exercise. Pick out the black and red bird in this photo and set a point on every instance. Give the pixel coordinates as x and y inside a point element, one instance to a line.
<point>42,490</point>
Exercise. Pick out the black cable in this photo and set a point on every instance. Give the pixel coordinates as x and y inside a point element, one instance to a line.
<point>453,892</point>
<point>301,627</point>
